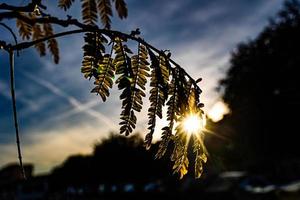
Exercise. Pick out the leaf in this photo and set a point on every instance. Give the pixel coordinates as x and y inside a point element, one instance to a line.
<point>140,73</point>
<point>89,11</point>
<point>181,139</point>
<point>159,85</point>
<point>92,56</point>
<point>139,66</point>
<point>65,4</point>
<point>179,155</point>
<point>52,43</point>
<point>25,29</point>
<point>122,64</point>
<point>165,139</point>
<point>171,116</point>
<point>121,8</point>
<point>164,73</point>
<point>133,72</point>
<point>38,34</point>
<point>105,75</point>
<point>104,8</point>
<point>201,155</point>
<point>183,91</point>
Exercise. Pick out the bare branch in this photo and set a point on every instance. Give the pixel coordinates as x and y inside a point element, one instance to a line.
<point>14,106</point>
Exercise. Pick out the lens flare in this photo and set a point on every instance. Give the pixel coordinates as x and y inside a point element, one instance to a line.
<point>193,124</point>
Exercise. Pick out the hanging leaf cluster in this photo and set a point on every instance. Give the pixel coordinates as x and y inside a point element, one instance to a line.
<point>169,86</point>
<point>158,92</point>
<point>38,31</point>
<point>91,9</point>
<point>181,138</point>
<point>108,60</point>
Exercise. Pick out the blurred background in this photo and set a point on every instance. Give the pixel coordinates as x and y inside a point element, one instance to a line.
<point>247,53</point>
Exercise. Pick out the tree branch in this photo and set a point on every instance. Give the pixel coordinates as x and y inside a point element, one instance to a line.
<point>12,33</point>
<point>83,28</point>
<point>111,34</point>
<point>27,8</point>
<point>66,23</point>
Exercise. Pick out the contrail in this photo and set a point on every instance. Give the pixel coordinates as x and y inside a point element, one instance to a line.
<point>83,107</point>
<point>4,88</point>
<point>77,105</point>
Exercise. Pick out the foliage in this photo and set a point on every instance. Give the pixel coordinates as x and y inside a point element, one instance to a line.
<point>38,31</point>
<point>140,167</point>
<point>107,60</point>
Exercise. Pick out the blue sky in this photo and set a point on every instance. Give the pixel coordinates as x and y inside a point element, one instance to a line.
<point>57,113</point>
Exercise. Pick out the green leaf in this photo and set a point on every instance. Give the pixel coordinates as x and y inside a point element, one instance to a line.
<point>105,75</point>
<point>92,54</point>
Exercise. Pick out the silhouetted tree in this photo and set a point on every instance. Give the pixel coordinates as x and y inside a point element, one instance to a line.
<point>75,171</point>
<point>262,90</point>
<point>127,160</point>
<point>115,160</point>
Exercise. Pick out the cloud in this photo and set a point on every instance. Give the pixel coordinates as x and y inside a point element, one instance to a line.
<point>5,92</point>
<point>207,55</point>
<point>71,100</point>
<point>76,110</point>
<point>205,15</point>
<point>48,148</point>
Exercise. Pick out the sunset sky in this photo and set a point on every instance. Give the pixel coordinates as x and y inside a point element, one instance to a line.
<point>59,116</point>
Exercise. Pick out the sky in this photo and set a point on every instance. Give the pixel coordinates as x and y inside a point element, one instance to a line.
<point>58,115</point>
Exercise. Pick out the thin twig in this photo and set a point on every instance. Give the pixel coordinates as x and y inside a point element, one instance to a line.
<point>12,33</point>
<point>14,106</point>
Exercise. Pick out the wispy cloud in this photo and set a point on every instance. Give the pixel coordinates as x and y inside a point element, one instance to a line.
<point>5,92</point>
<point>77,105</point>
<point>76,110</point>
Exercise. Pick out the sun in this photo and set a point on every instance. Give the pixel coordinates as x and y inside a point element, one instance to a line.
<point>193,124</point>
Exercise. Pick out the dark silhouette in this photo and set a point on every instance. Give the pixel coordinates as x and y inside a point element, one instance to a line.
<point>120,167</point>
<point>116,160</point>
<point>262,90</point>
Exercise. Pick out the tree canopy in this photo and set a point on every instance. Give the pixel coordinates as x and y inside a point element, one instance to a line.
<point>261,89</point>
<point>115,160</point>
